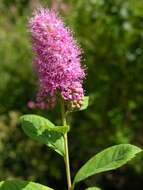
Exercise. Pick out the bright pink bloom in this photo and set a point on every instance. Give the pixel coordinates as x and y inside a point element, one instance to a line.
<point>57,59</point>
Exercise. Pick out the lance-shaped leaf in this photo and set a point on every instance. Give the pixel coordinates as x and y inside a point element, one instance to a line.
<point>93,188</point>
<point>44,131</point>
<point>21,185</point>
<point>109,159</point>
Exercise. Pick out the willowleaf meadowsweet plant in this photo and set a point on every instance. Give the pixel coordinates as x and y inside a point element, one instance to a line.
<point>57,58</point>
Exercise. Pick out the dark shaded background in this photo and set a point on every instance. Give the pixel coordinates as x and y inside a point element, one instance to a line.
<point>111,35</point>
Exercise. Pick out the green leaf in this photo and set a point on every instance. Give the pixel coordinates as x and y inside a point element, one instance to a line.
<point>93,188</point>
<point>85,103</point>
<point>109,159</point>
<point>44,123</point>
<point>44,131</point>
<point>21,185</point>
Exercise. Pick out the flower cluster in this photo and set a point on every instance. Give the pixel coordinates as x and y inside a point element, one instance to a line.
<point>57,60</point>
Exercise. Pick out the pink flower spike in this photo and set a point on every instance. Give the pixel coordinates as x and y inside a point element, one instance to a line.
<point>57,58</point>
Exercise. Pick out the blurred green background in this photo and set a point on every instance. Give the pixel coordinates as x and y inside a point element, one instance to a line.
<point>111,35</point>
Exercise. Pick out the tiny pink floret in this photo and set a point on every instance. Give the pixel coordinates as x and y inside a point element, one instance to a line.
<point>57,59</point>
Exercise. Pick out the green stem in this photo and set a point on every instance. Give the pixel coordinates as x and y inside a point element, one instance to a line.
<point>67,162</point>
<point>66,157</point>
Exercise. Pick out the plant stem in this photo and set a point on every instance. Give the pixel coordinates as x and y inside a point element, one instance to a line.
<point>66,157</point>
<point>67,162</point>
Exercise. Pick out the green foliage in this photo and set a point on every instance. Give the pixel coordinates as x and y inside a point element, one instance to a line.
<point>85,103</point>
<point>111,35</point>
<point>109,159</point>
<point>15,56</point>
<point>44,131</point>
<point>41,123</point>
<point>21,185</point>
<point>93,188</point>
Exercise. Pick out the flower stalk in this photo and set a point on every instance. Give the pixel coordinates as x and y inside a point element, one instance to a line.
<point>66,157</point>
